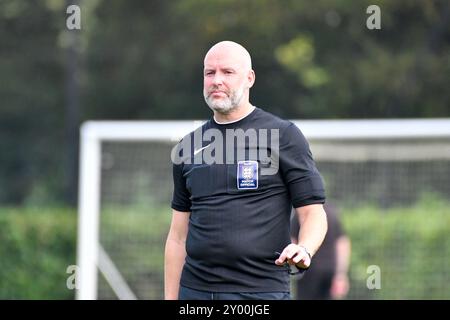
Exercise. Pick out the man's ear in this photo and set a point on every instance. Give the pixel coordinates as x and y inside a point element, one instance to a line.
<point>251,78</point>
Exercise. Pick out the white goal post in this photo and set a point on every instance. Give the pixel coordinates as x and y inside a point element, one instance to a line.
<point>324,135</point>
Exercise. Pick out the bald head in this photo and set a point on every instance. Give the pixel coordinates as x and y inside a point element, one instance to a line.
<point>230,50</point>
<point>228,77</point>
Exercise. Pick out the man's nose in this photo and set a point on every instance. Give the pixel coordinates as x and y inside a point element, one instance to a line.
<point>218,79</point>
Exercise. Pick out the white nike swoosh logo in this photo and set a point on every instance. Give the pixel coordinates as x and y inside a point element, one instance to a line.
<point>198,150</point>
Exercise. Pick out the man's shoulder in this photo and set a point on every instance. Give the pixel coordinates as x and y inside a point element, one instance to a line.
<point>273,120</point>
<point>197,131</point>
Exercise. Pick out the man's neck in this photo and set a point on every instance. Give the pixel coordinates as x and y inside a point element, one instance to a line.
<point>235,115</point>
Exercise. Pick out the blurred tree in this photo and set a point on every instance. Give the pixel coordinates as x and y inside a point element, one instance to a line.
<point>72,103</point>
<point>143,60</point>
<point>315,61</point>
<point>31,100</point>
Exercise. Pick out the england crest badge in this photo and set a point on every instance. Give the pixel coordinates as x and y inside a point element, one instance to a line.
<point>247,175</point>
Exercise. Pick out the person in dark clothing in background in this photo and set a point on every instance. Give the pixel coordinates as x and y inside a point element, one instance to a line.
<point>327,277</point>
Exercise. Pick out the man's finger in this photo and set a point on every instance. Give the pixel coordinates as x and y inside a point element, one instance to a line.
<point>288,253</point>
<point>291,253</point>
<point>281,259</point>
<point>301,256</point>
<point>297,258</point>
<point>304,262</point>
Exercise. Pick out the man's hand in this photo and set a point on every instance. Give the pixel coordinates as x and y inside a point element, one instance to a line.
<point>339,286</point>
<point>294,254</point>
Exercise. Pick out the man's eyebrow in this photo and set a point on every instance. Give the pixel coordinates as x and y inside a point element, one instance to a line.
<point>224,68</point>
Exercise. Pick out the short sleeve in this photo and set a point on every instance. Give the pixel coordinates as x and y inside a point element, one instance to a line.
<point>298,169</point>
<point>181,196</point>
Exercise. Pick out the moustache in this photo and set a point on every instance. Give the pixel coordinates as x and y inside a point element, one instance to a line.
<point>210,92</point>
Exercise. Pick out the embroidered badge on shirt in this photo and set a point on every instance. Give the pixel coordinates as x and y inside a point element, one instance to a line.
<point>247,175</point>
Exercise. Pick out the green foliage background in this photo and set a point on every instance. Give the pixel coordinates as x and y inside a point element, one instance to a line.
<point>410,245</point>
<point>37,246</point>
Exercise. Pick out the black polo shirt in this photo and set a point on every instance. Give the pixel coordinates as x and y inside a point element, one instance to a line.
<point>239,213</point>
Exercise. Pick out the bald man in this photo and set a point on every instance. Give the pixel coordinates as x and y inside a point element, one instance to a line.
<point>229,235</point>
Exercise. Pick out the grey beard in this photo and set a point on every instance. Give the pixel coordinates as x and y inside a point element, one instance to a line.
<point>227,105</point>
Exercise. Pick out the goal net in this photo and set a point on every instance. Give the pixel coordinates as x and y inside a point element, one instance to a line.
<point>389,178</point>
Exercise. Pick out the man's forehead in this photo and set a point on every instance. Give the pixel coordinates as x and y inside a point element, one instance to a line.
<point>223,59</point>
<point>222,64</point>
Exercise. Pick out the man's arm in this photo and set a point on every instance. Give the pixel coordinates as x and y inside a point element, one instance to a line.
<point>313,220</point>
<point>340,284</point>
<point>175,253</point>
<point>343,251</point>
